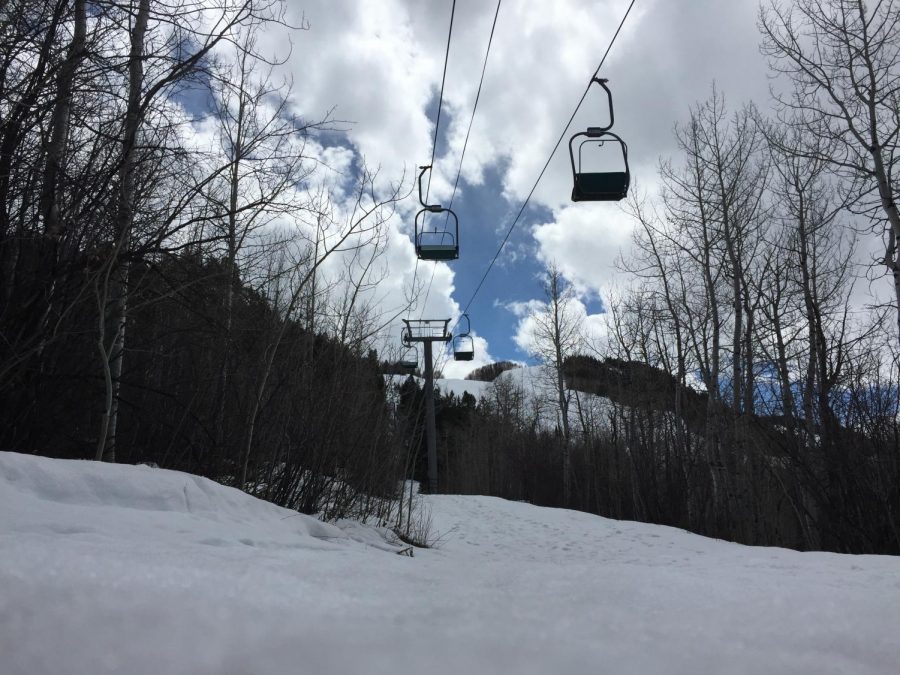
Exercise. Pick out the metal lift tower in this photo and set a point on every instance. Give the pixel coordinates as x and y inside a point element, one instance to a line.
<point>428,331</point>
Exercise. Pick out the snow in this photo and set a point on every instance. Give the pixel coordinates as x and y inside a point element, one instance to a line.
<point>460,387</point>
<point>530,380</point>
<point>122,569</point>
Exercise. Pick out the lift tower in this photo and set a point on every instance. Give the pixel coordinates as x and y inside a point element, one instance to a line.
<point>428,331</point>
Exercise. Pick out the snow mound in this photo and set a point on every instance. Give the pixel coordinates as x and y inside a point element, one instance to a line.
<point>107,500</point>
<point>122,569</point>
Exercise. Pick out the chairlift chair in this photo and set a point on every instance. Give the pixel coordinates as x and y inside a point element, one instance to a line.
<point>596,186</point>
<point>463,348</point>
<point>409,358</point>
<point>435,244</point>
<point>463,344</point>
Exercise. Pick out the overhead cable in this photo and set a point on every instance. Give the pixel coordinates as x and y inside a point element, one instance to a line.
<point>547,163</point>
<point>437,124</point>
<point>462,155</point>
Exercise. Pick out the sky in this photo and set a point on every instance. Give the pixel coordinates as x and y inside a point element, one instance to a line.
<point>378,66</point>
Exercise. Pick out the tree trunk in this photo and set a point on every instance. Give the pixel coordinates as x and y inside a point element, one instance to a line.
<point>117,309</point>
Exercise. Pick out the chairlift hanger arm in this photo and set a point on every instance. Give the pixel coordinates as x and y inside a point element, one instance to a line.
<point>596,131</point>
<point>434,208</point>
<point>468,328</point>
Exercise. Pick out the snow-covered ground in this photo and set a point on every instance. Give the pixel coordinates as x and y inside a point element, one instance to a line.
<point>121,569</point>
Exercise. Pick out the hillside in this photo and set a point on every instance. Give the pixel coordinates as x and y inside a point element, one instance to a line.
<point>123,569</point>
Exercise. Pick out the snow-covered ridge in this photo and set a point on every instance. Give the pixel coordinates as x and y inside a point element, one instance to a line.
<point>531,380</point>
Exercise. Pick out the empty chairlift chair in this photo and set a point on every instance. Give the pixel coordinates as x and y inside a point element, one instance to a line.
<point>435,244</point>
<point>598,186</point>
<point>409,357</point>
<point>463,344</point>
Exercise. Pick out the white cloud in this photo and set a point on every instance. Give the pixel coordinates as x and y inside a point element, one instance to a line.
<point>593,326</point>
<point>585,240</point>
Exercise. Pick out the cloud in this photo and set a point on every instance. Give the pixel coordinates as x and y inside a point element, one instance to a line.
<point>584,241</point>
<point>528,333</point>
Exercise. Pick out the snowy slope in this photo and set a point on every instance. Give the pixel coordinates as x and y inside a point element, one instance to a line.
<point>447,385</point>
<point>459,387</point>
<point>117,569</point>
<point>531,380</point>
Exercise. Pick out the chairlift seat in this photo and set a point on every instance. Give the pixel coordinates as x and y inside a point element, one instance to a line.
<point>463,344</point>
<point>600,187</point>
<point>409,358</point>
<point>430,251</point>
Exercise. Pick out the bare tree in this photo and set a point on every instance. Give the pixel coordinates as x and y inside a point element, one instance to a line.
<point>157,62</point>
<point>843,58</point>
<point>363,224</point>
<point>557,334</point>
<point>263,155</point>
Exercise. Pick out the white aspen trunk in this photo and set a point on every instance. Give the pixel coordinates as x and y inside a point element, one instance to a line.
<point>562,399</point>
<point>118,300</point>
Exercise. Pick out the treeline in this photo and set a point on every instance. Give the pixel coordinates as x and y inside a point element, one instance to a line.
<point>746,287</point>
<point>751,286</point>
<point>491,371</point>
<point>183,280</point>
<point>317,437</point>
<point>645,447</point>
